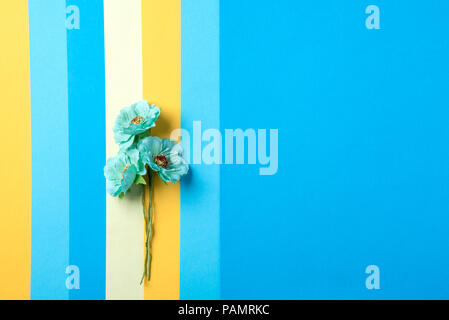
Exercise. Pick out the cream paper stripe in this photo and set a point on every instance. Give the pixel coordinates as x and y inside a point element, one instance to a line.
<point>124,226</point>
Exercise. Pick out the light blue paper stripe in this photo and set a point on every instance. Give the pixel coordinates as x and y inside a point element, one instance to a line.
<point>50,153</point>
<point>200,193</point>
<point>86,83</point>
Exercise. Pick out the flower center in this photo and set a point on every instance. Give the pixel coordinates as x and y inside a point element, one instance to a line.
<point>161,160</point>
<point>124,169</point>
<point>137,120</point>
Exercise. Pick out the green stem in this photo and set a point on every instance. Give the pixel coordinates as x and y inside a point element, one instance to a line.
<point>146,228</point>
<point>148,217</point>
<point>150,226</point>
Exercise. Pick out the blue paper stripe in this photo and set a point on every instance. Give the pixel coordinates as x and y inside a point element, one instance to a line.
<point>87,142</point>
<point>363,173</point>
<point>50,152</point>
<point>200,194</point>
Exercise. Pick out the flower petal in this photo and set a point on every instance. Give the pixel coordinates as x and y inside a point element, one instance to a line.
<point>129,175</point>
<point>113,188</point>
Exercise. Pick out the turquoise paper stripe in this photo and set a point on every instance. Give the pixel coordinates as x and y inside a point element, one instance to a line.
<point>50,152</point>
<point>87,142</point>
<point>200,194</point>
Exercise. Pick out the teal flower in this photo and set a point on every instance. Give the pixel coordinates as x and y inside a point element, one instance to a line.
<point>163,156</point>
<point>122,170</point>
<point>134,120</point>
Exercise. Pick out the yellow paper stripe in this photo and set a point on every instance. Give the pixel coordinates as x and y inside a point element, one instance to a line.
<point>161,43</point>
<point>15,169</point>
<point>124,218</point>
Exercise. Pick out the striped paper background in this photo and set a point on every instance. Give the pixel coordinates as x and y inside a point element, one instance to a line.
<point>363,172</point>
<point>65,88</point>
